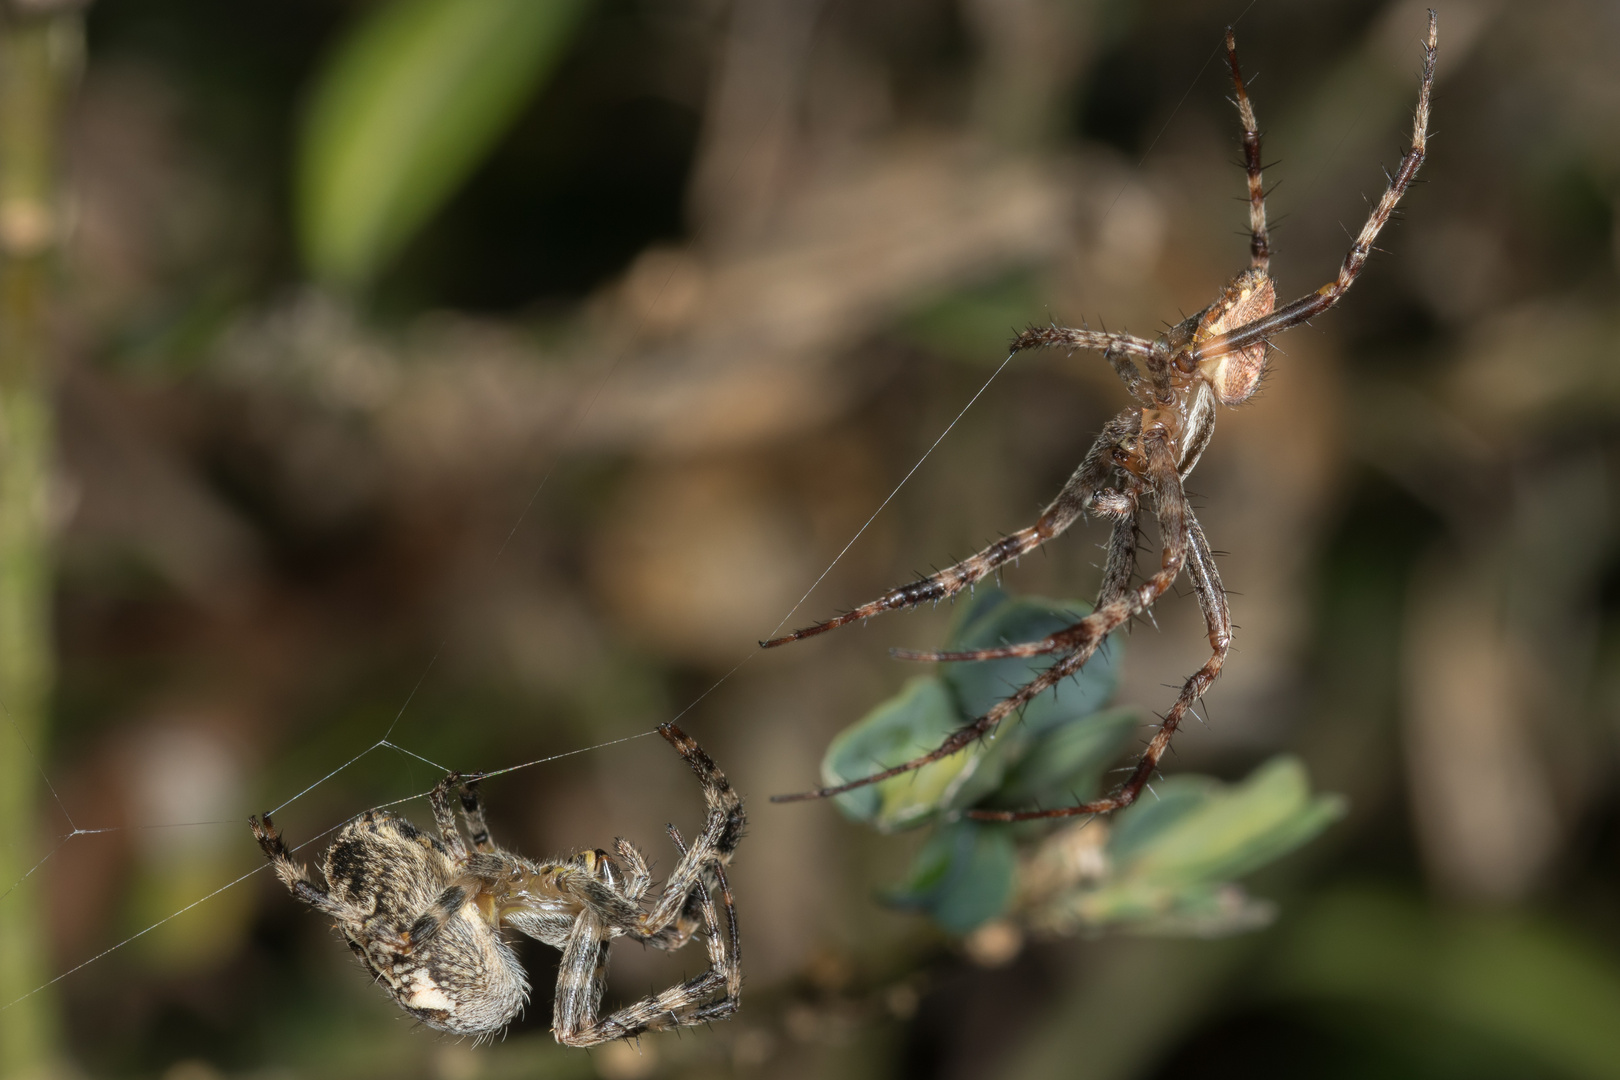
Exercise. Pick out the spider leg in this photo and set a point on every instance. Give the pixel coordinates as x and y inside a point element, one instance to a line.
<point>472,811</point>
<point>1079,642</point>
<point>445,818</point>
<point>1115,584</point>
<point>1082,493</point>
<point>1259,242</point>
<point>581,976</point>
<point>583,969</point>
<point>734,967</point>
<point>1103,341</point>
<point>639,879</point>
<point>1128,373</point>
<point>714,845</point>
<point>295,875</point>
<point>678,912</point>
<point>1121,562</point>
<point>444,907</point>
<point>1218,620</point>
<point>1200,429</point>
<point>1308,307</point>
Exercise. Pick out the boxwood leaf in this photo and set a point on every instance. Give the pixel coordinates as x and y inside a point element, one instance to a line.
<point>1067,763</point>
<point>912,722</point>
<point>1213,832</point>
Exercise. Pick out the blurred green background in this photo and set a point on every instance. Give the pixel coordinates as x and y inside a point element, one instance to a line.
<point>307,304</point>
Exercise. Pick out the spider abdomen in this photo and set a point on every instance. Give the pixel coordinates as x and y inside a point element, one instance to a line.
<point>1235,376</point>
<point>447,968</point>
<point>466,981</point>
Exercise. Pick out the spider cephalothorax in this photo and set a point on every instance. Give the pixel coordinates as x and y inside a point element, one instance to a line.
<point>1142,455</point>
<point>424,914</point>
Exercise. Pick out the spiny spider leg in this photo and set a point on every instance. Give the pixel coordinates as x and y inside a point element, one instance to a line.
<point>1218,620</point>
<point>1308,307</point>
<point>1084,491</point>
<point>734,973</point>
<point>1116,580</point>
<point>1259,241</point>
<point>1121,562</point>
<point>583,970</point>
<point>583,975</point>
<point>1170,506</point>
<point>712,850</point>
<point>1128,373</point>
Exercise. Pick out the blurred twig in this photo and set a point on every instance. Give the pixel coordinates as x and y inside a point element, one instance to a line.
<point>38,54</point>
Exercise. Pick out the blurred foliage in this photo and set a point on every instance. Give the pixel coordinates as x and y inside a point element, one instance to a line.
<point>1168,861</point>
<point>406,107</point>
<point>1524,984</point>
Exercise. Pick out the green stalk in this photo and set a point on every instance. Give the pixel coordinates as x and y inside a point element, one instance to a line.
<point>39,49</point>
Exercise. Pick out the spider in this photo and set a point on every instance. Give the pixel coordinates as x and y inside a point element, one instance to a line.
<point>424,913</point>
<point>1216,357</point>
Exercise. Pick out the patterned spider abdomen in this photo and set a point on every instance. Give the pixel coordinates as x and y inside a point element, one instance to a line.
<point>426,940</point>
<point>1235,376</point>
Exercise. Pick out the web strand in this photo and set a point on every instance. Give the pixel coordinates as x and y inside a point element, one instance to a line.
<point>904,480</point>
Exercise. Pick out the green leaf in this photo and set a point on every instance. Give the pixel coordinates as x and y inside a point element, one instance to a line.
<point>993,619</point>
<point>1208,910</point>
<point>912,722</point>
<point>1067,764</point>
<point>963,876</point>
<point>1163,807</point>
<point>1172,858</point>
<point>1230,831</point>
<point>931,708</point>
<point>405,110</point>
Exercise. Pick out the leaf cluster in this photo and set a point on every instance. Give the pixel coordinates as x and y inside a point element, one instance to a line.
<point>1165,865</point>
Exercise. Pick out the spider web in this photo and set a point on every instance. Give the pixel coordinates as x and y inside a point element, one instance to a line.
<point>76,831</point>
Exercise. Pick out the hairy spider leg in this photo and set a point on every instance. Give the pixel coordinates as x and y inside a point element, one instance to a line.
<point>472,812</point>
<point>1259,241</point>
<point>640,878</point>
<point>734,969</point>
<point>1312,305</point>
<point>295,875</point>
<point>583,971</point>
<point>1084,491</point>
<point>1218,621</point>
<point>1121,562</point>
<point>1079,642</point>
<point>677,914</point>
<point>714,846</point>
<point>444,817</point>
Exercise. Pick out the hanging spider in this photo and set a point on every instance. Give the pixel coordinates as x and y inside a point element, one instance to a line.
<point>1216,357</point>
<point>424,914</point>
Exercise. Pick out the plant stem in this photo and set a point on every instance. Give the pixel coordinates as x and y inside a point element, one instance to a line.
<point>39,48</point>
